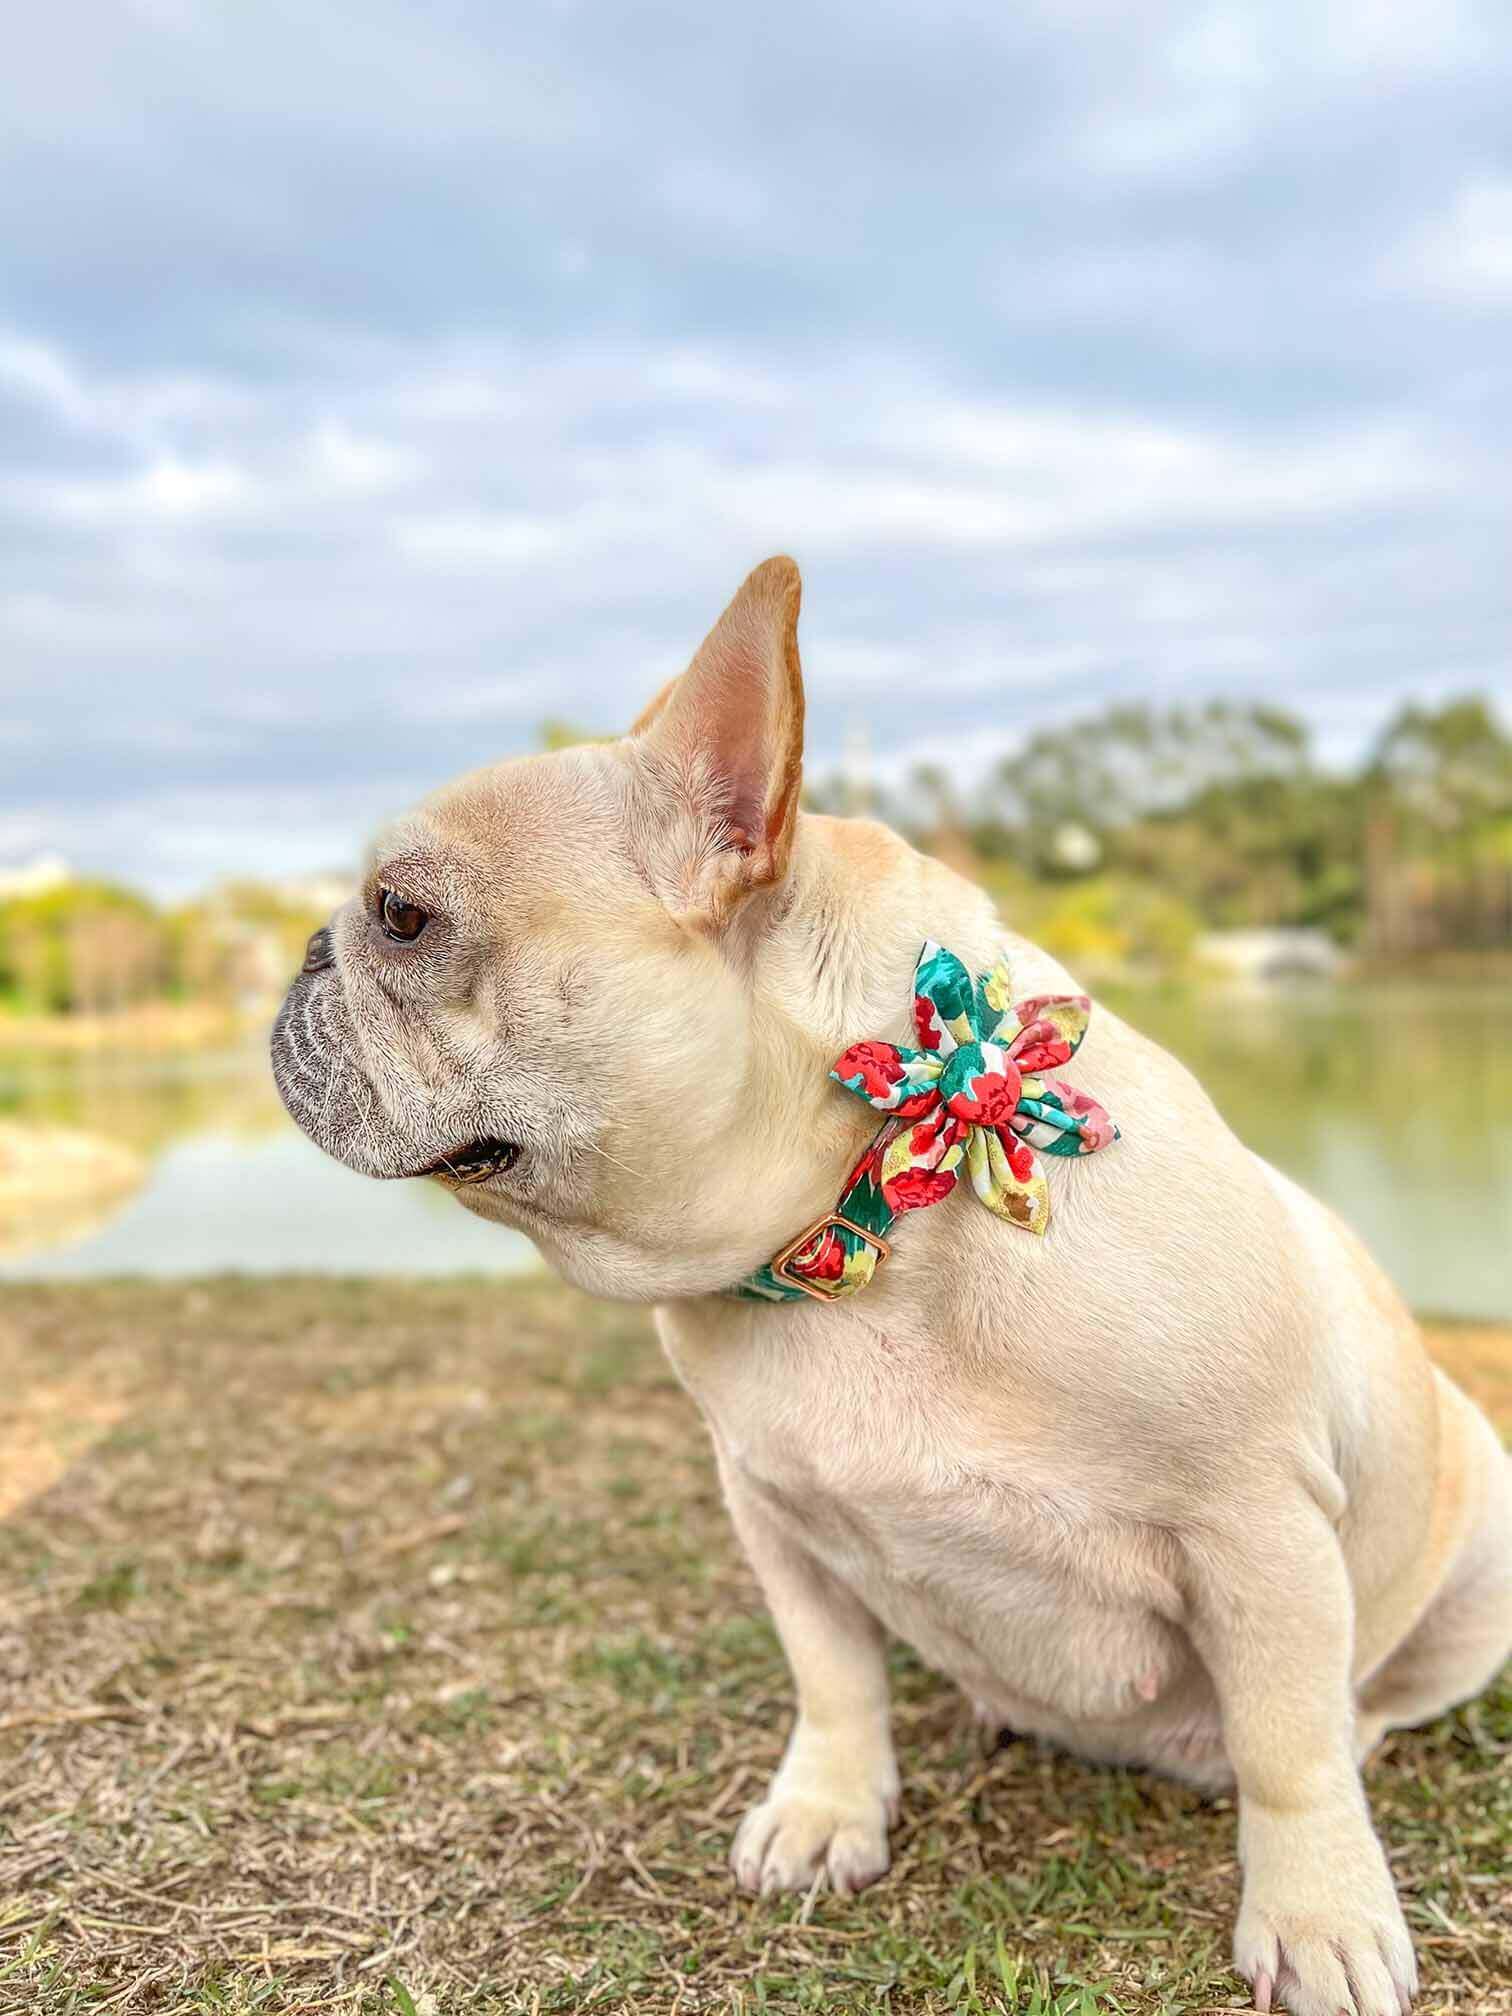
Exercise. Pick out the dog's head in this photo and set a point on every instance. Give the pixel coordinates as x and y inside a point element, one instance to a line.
<point>540,996</point>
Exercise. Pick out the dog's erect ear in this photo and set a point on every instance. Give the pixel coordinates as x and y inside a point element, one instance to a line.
<point>720,752</point>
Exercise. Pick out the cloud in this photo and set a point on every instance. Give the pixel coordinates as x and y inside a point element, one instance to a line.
<point>357,465</point>
<point>384,394</point>
<point>1466,255</point>
<point>164,488</point>
<point>478,541</point>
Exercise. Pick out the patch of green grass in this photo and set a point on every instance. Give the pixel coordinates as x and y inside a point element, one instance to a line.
<point>636,1667</point>
<point>112,1588</point>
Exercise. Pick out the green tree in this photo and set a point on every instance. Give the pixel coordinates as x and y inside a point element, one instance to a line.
<point>1447,772</point>
<point>83,945</point>
<point>1106,771</point>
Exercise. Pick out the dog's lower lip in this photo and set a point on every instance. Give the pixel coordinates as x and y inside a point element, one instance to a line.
<point>474,1161</point>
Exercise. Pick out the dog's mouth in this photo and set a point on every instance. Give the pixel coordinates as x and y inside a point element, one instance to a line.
<point>473,1161</point>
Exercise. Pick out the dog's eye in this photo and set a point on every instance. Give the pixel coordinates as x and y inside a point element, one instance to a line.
<point>399,918</point>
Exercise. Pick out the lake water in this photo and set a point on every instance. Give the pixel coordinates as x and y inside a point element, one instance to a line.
<point>1394,1105</point>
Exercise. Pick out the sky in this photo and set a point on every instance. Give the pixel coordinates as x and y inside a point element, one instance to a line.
<point>375,383</point>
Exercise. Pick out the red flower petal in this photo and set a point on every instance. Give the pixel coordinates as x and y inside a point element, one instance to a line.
<point>912,1189</point>
<point>879,1066</point>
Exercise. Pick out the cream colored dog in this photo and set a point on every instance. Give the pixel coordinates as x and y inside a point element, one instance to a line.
<point>1172,1486</point>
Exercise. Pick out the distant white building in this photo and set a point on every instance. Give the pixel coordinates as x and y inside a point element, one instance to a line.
<point>1074,847</point>
<point>1263,957</point>
<point>35,878</point>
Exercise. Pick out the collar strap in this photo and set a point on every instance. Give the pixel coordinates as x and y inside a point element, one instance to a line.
<point>841,1251</point>
<point>974,1094</point>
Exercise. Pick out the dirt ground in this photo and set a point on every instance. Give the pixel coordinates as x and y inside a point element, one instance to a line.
<point>375,1647</point>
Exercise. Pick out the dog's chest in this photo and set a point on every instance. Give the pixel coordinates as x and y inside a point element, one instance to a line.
<point>957,1532</point>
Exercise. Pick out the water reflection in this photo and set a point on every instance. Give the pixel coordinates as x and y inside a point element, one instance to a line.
<point>1394,1105</point>
<point>231,1184</point>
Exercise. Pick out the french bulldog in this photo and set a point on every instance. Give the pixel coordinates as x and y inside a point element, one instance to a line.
<point>1172,1486</point>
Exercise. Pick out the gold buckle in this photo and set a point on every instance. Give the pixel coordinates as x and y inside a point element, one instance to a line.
<point>814,1231</point>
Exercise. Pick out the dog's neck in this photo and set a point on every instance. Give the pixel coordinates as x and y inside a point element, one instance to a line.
<point>826,960</point>
<point>839,950</point>
<point>830,963</point>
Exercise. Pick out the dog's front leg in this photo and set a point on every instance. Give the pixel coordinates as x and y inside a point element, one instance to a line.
<point>836,1792</point>
<point>1320,1930</point>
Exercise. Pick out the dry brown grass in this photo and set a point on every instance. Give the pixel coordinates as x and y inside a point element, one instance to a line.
<point>374,1648</point>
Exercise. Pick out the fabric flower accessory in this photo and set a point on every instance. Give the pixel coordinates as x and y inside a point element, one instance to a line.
<point>976,1091</point>
<point>976,1096</point>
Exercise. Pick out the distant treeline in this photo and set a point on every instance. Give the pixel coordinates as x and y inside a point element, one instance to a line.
<point>1117,840</point>
<point>1125,834</point>
<point>87,947</point>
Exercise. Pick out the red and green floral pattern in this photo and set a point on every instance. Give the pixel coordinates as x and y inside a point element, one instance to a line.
<point>975,1094</point>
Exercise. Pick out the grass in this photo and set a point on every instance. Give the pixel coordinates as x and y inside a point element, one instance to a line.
<point>375,1648</point>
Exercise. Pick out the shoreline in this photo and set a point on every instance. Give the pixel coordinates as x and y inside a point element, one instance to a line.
<point>159,1026</point>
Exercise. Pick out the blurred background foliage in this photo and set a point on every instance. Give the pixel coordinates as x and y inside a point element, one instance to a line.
<point>80,949</point>
<point>1121,841</point>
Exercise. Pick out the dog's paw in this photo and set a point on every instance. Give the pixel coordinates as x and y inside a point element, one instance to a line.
<point>783,1843</point>
<point>1327,1961</point>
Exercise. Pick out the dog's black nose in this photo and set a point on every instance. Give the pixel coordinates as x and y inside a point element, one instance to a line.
<point>320,952</point>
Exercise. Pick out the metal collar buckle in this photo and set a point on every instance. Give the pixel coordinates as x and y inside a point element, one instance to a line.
<point>807,1237</point>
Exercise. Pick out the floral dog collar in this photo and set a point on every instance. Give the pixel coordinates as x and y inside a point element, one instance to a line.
<point>964,1096</point>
